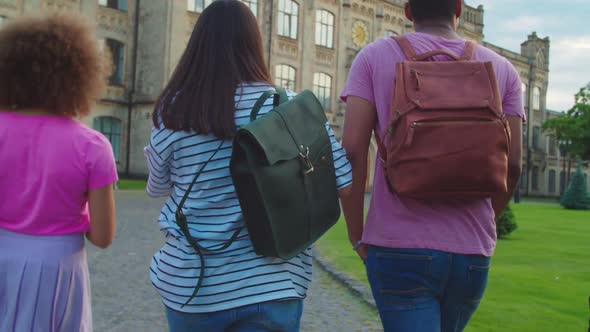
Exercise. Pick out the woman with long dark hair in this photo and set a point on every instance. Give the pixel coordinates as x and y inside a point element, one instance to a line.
<point>211,93</point>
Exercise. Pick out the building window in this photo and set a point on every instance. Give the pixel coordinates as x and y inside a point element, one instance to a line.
<point>111,128</point>
<point>324,28</point>
<point>253,5</point>
<point>285,77</point>
<point>390,33</point>
<point>536,98</point>
<point>198,5</point>
<point>2,19</point>
<point>115,4</point>
<point>561,182</point>
<point>552,181</point>
<point>536,138</point>
<point>288,18</point>
<point>525,99</point>
<point>535,178</point>
<point>552,146</point>
<point>522,181</point>
<point>322,87</point>
<point>117,50</point>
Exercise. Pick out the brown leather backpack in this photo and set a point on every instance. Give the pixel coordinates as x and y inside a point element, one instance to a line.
<point>448,136</point>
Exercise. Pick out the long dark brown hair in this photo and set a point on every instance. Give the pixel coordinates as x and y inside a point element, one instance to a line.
<point>225,49</point>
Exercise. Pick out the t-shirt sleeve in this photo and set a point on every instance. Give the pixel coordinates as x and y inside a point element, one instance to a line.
<point>360,78</point>
<point>102,169</point>
<point>157,154</point>
<point>341,164</point>
<point>512,98</point>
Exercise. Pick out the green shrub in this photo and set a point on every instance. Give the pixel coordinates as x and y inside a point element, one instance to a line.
<point>506,224</point>
<point>576,195</point>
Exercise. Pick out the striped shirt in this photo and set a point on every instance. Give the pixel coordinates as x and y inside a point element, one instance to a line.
<point>236,276</point>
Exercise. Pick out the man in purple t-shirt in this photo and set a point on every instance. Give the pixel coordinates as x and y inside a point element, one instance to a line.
<point>427,262</point>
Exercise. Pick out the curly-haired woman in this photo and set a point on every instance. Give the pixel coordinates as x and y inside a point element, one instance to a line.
<point>56,174</point>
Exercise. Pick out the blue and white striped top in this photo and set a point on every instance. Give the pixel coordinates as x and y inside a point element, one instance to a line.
<point>236,276</point>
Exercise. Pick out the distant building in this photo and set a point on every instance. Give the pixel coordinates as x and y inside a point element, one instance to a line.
<point>309,44</point>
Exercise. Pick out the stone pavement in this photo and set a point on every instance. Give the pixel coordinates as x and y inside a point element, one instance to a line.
<point>124,301</point>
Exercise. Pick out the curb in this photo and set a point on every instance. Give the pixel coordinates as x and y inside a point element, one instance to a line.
<point>354,286</point>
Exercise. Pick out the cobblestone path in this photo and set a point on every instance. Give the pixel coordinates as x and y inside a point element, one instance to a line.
<point>124,301</point>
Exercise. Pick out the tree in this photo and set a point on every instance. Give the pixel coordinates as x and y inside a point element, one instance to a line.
<point>574,126</point>
<point>506,224</point>
<point>576,195</point>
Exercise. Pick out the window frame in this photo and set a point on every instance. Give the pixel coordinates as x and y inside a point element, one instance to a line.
<point>288,20</point>
<point>111,133</point>
<point>253,5</point>
<point>322,84</point>
<point>324,28</point>
<point>117,77</point>
<point>114,4</point>
<point>197,6</point>
<point>535,178</point>
<point>286,76</point>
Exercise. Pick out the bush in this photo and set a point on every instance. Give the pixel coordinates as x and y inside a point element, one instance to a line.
<point>506,224</point>
<point>576,195</point>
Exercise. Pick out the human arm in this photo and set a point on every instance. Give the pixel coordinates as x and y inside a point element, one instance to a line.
<point>500,201</point>
<point>360,118</point>
<point>159,183</point>
<point>101,203</point>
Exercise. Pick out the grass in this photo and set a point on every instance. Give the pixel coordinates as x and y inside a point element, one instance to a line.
<point>540,276</point>
<point>127,184</point>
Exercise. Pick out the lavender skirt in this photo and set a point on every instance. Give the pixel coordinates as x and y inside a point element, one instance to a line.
<point>44,283</point>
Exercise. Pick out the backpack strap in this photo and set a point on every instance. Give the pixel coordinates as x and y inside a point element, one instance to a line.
<point>468,51</point>
<point>406,47</point>
<point>280,97</point>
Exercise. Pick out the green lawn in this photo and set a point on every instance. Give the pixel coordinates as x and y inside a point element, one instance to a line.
<point>126,184</point>
<point>540,276</point>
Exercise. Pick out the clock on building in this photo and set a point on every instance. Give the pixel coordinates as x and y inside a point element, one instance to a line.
<point>360,34</point>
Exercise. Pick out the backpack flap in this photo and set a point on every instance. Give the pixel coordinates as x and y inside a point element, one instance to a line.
<point>450,85</point>
<point>288,130</point>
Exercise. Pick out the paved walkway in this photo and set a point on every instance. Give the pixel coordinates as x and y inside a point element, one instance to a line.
<point>124,300</point>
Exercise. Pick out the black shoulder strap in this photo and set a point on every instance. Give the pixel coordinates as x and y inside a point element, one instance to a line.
<point>183,225</point>
<point>280,97</point>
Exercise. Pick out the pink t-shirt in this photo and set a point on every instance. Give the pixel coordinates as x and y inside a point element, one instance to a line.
<point>461,226</point>
<point>47,166</point>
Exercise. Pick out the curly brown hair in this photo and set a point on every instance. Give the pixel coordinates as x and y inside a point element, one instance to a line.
<point>50,62</point>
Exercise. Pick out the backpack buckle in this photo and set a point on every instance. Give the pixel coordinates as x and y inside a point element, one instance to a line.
<point>309,168</point>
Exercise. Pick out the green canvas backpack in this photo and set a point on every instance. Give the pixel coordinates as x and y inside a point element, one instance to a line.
<point>283,171</point>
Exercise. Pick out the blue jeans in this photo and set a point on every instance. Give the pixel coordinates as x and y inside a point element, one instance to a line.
<point>426,290</point>
<point>277,316</point>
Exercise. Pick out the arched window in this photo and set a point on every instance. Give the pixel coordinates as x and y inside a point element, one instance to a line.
<point>525,99</point>
<point>535,178</point>
<point>552,181</point>
<point>536,98</point>
<point>253,5</point>
<point>110,127</point>
<point>324,28</point>
<point>115,4</point>
<point>288,18</point>
<point>198,5</point>
<point>285,76</point>
<point>322,87</point>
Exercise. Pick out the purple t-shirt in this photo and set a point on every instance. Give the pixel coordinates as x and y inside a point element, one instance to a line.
<point>47,166</point>
<point>460,226</point>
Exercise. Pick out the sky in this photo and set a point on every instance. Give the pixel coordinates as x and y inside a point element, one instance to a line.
<point>565,22</point>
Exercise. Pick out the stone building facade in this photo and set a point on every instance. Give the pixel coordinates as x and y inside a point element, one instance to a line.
<point>309,44</point>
